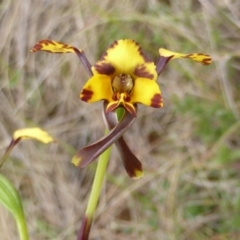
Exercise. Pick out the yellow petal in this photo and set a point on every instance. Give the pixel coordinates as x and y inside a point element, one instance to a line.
<point>58,47</point>
<point>198,57</point>
<point>26,133</point>
<point>147,92</point>
<point>35,133</point>
<point>53,47</point>
<point>97,88</point>
<point>125,57</point>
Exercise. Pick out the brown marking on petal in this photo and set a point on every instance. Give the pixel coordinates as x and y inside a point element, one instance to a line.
<point>57,46</point>
<point>47,42</point>
<point>115,96</point>
<point>40,44</point>
<point>66,46</point>
<point>127,98</point>
<point>104,68</point>
<point>206,61</point>
<point>86,95</point>
<point>130,108</point>
<point>156,101</point>
<point>113,45</point>
<point>50,42</point>
<point>141,71</point>
<point>112,107</point>
<point>188,56</point>
<point>36,48</point>
<point>140,51</point>
<point>48,51</point>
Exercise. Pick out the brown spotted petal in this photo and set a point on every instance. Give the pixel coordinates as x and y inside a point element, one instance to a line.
<point>103,67</point>
<point>146,70</point>
<point>52,46</point>
<point>97,88</point>
<point>91,152</point>
<point>146,92</point>
<point>125,56</point>
<point>130,162</point>
<point>202,58</point>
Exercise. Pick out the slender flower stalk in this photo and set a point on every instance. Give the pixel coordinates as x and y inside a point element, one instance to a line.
<point>94,196</point>
<point>8,151</point>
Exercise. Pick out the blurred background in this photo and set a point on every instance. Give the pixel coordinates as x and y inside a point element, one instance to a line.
<point>190,149</point>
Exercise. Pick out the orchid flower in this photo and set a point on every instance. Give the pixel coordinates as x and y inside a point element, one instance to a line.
<point>122,78</point>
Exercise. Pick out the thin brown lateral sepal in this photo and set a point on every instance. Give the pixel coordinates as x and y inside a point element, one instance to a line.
<point>131,163</point>
<point>87,154</point>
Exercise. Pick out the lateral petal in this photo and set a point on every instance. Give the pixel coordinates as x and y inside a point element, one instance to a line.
<point>203,58</point>
<point>147,92</point>
<point>58,47</point>
<point>97,88</point>
<point>53,47</point>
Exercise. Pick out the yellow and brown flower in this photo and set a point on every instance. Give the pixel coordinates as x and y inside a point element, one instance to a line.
<point>123,77</point>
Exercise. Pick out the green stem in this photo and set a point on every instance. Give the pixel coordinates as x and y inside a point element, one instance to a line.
<point>96,188</point>
<point>97,183</point>
<point>95,193</point>
<point>22,228</point>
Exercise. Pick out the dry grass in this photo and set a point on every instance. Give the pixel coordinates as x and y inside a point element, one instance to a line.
<point>189,149</point>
